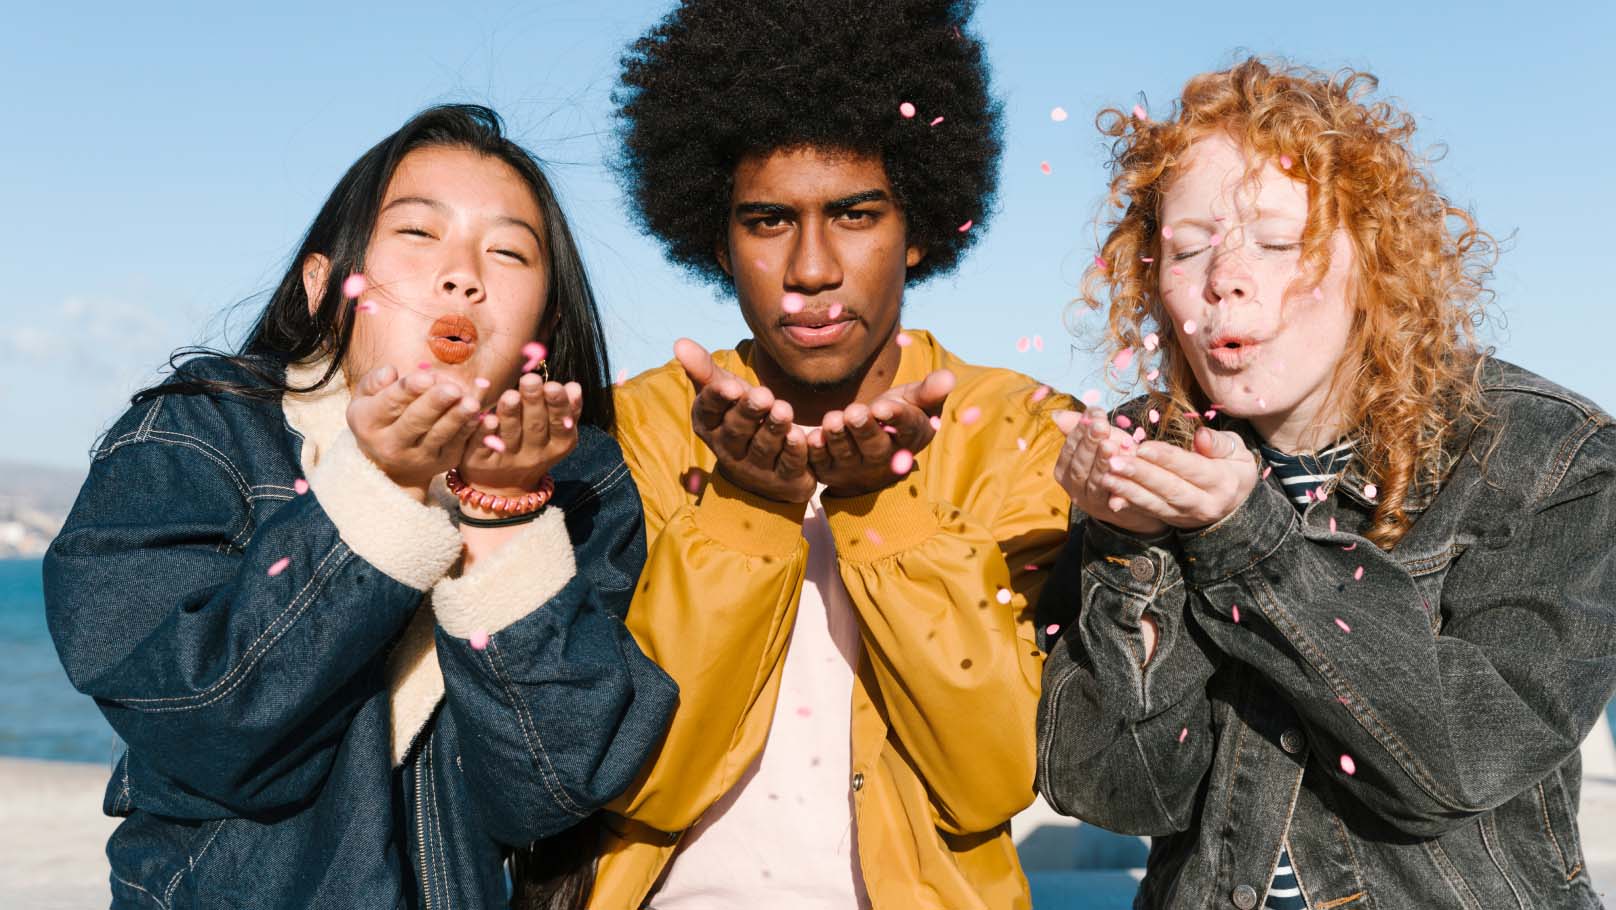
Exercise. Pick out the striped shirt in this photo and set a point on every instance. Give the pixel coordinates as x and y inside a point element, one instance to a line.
<point>1301,476</point>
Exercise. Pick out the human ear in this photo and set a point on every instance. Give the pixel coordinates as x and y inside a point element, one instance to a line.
<point>316,272</point>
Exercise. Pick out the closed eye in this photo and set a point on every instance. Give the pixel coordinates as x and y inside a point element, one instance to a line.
<point>514,255</point>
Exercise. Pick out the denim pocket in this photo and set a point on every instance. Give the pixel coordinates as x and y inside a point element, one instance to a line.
<point>151,854</point>
<point>1559,824</point>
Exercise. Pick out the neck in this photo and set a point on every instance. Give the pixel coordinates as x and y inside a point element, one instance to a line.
<point>810,402</point>
<point>1303,429</point>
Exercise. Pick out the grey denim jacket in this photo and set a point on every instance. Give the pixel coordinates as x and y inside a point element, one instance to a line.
<point>1459,672</point>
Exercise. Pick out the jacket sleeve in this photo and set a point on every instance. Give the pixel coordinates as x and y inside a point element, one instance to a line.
<point>1122,743</point>
<point>231,650</point>
<point>560,709</point>
<point>1440,726</point>
<point>943,592</point>
<point>714,609</point>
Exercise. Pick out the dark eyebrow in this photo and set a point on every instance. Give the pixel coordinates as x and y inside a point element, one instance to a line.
<point>771,209</point>
<point>441,208</point>
<point>847,202</point>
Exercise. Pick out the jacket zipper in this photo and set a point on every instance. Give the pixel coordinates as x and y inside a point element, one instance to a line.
<point>420,829</point>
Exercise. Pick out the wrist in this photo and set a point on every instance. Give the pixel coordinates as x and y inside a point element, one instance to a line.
<point>487,503</point>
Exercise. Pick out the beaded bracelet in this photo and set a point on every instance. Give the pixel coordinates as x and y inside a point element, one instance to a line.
<point>507,506</point>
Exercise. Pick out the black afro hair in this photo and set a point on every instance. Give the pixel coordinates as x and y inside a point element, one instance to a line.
<point>718,80</point>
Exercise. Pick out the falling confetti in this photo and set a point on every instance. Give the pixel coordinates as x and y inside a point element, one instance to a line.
<point>535,354</point>
<point>566,423</point>
<point>1122,359</point>
<point>481,383</point>
<point>1285,162</point>
<point>1357,574</point>
<point>1176,270</point>
<point>1051,629</point>
<point>1332,524</point>
<point>1038,342</point>
<point>1167,232</point>
<point>970,415</point>
<point>907,110</point>
<point>874,538</point>
<point>792,302</point>
<point>354,286</point>
<point>835,311</point>
<point>1099,263</point>
<point>1146,259</point>
<point>1234,609</point>
<point>937,121</point>
<point>1183,734</point>
<point>1058,114</point>
<point>478,641</point>
<point>1123,421</point>
<point>494,442</point>
<point>1151,376</point>
<point>1044,166</point>
<point>1040,393</point>
<point>902,461</point>
<point>622,376</point>
<point>1266,472</point>
<point>1343,624</point>
<point>279,566</point>
<point>1021,443</point>
<point>365,306</point>
<point>1216,239</point>
<point>1155,416</point>
<point>1189,327</point>
<point>936,423</point>
<point>1348,765</point>
<point>965,227</point>
<point>1370,491</point>
<point>1318,293</point>
<point>1023,344</point>
<point>805,711</point>
<point>1152,341</point>
<point>1138,434</point>
<point>301,486</point>
<point>1350,547</point>
<point>1004,596</point>
<point>1139,113</point>
<point>904,340</point>
<point>424,365</point>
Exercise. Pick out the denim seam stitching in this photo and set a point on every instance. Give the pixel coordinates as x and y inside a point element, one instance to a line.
<point>1565,455</point>
<point>155,899</point>
<point>1481,824</point>
<point>298,603</point>
<point>207,449</point>
<point>1046,738</point>
<point>1234,772</point>
<point>1155,791</point>
<point>1450,874</point>
<point>168,894</point>
<point>540,757</point>
<point>1548,826</point>
<point>1357,867</point>
<point>440,864</point>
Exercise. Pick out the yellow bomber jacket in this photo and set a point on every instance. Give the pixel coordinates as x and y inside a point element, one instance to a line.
<point>947,687</point>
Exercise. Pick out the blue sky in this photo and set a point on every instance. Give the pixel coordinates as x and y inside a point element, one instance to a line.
<point>160,163</point>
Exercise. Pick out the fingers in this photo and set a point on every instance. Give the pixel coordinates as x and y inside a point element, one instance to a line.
<point>698,364</point>
<point>1197,469</point>
<point>741,423</point>
<point>866,435</point>
<point>535,410</point>
<point>375,381</point>
<point>712,403</point>
<point>838,443</point>
<point>419,417</point>
<point>1067,421</point>
<point>793,458</point>
<point>770,438</point>
<point>929,394</point>
<point>1174,491</point>
<point>1217,444</point>
<point>509,414</point>
<point>562,402</point>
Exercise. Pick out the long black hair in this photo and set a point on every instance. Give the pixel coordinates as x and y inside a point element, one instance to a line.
<point>285,332</point>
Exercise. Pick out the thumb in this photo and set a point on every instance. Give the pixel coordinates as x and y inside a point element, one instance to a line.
<point>929,393</point>
<point>376,380</point>
<point>1215,444</point>
<point>1067,421</point>
<point>697,362</point>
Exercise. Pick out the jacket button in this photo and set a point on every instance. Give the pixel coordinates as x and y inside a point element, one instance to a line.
<point>858,780</point>
<point>1244,897</point>
<point>1141,568</point>
<point>1292,741</point>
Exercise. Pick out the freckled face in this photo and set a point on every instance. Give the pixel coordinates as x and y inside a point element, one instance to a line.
<point>1264,345</point>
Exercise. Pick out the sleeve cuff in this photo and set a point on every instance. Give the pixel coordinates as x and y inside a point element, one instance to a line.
<point>882,523</point>
<point>746,522</point>
<point>1132,565</point>
<point>1244,538</point>
<point>515,580</point>
<point>412,543</point>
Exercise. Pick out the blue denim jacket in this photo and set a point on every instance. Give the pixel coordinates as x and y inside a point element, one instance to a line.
<point>1460,671</point>
<point>260,769</point>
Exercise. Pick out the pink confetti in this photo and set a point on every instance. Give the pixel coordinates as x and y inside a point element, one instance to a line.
<point>1099,263</point>
<point>1091,397</point>
<point>1183,734</point>
<point>1031,567</point>
<point>1151,376</point>
<point>1216,239</point>
<point>1189,327</point>
<point>1040,393</point>
<point>969,415</point>
<point>1058,114</point>
<point>1211,415</point>
<point>872,537</point>
<point>1261,403</point>
<point>1146,259</point>
<point>1348,765</point>
<point>1370,490</point>
<point>478,641</point>
<point>1023,344</point>
<point>1117,463</point>
<point>1139,113</point>
<point>481,383</point>
<point>693,483</point>
<point>1343,624</point>
<point>1318,293</point>
<point>301,486</point>
<point>1138,434</point>
<point>1051,629</point>
<point>835,311</point>
<point>1357,574</point>
<point>566,423</point>
<point>354,285</point>
<point>1152,341</point>
<point>1167,232</point>
<point>1003,596</point>
<point>907,110</point>
<point>1043,166</point>
<point>1038,342</point>
<point>622,376</point>
<point>889,430</point>
<point>1285,162</point>
<point>494,442</point>
<point>1155,416</point>
<point>805,711</point>
<point>792,302</point>
<point>1350,547</point>
<point>1021,444</point>
<point>902,461</point>
<point>1123,421</point>
<point>1234,609</point>
<point>279,566</point>
<point>535,354</point>
<point>365,306</point>
<point>936,423</point>
<point>1332,524</point>
<point>1266,471</point>
<point>424,365</point>
<point>965,227</point>
<point>904,340</point>
<point>936,121</point>
<point>1122,359</point>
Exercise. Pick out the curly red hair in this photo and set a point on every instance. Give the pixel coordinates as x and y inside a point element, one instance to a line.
<point>1418,291</point>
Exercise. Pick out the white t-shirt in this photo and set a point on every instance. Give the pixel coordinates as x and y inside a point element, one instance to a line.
<point>783,836</point>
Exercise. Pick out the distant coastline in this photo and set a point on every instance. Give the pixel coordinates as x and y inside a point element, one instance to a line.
<point>34,501</point>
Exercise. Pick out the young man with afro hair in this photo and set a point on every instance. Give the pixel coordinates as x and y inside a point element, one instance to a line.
<point>846,524</point>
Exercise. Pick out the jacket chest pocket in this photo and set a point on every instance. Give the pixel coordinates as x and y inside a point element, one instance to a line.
<point>1430,573</point>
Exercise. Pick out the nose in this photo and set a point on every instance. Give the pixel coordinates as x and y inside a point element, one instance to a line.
<point>460,279</point>
<point>1230,280</point>
<point>814,265</point>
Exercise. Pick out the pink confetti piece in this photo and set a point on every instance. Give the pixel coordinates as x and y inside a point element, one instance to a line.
<point>365,306</point>
<point>481,383</point>
<point>1234,610</point>
<point>1167,232</point>
<point>1348,766</point>
<point>904,340</point>
<point>1052,629</point>
<point>301,486</point>
<point>1138,434</point>
<point>1216,239</point>
<point>1139,113</point>
<point>1038,342</point>
<point>693,483</point>
<point>354,285</point>
<point>1152,375</point>
<point>936,121</point>
<point>1031,567</point>
<point>889,430</point>
<point>1117,463</point>
<point>793,302</point>
<point>1318,293</point>
<point>805,711</point>
<point>835,311</point>
<point>1155,416</point>
<point>1099,263</point>
<point>1044,166</point>
<point>902,461</point>
<point>1343,624</point>
<point>907,110</point>
<point>1146,259</point>
<point>1211,415</point>
<point>1332,524</point>
<point>969,415</point>
<point>1091,397</point>
<point>1058,114</point>
<point>1261,403</point>
<point>936,423</point>
<point>1370,490</point>
<point>1122,359</point>
<point>1357,574</point>
<point>424,365</point>
<point>566,423</point>
<point>872,537</point>
<point>1183,734</point>
<point>1040,393</point>
<point>1189,327</point>
<point>279,566</point>
<point>965,227</point>
<point>1023,344</point>
<point>494,442</point>
<point>1123,421</point>
<point>1004,596</point>
<point>1285,162</point>
<point>478,641</point>
<point>1266,471</point>
<point>535,354</point>
<point>622,377</point>
<point>1350,547</point>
